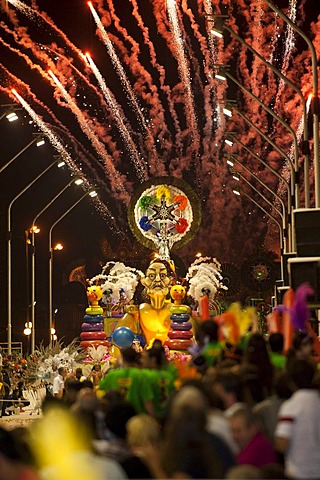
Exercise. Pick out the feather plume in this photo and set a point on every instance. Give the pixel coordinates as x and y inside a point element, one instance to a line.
<point>300,311</point>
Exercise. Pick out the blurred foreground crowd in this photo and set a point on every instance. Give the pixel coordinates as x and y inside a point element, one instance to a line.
<point>247,412</point>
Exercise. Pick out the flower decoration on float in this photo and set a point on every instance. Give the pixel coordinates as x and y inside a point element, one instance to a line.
<point>182,202</point>
<point>181,225</point>
<point>145,201</point>
<point>145,223</point>
<point>163,191</point>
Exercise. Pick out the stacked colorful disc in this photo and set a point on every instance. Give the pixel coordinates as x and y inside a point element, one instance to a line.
<point>92,329</point>
<point>180,334</point>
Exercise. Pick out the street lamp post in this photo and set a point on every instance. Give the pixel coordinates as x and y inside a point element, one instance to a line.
<point>305,144</point>
<point>51,323</point>
<point>295,171</point>
<point>9,258</point>
<point>231,160</point>
<point>33,264</point>
<point>315,97</point>
<point>237,191</point>
<point>10,112</point>
<point>287,186</point>
<point>277,148</point>
<point>38,138</point>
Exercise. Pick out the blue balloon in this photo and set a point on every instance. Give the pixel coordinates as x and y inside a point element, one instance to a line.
<point>123,337</point>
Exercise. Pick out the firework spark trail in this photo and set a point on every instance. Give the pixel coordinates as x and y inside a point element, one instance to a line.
<point>27,42</point>
<point>289,46</point>
<point>54,122</point>
<point>274,38</point>
<point>115,178</point>
<point>126,84</point>
<point>23,8</point>
<point>146,89</point>
<point>119,69</point>
<point>161,70</point>
<point>35,13</point>
<point>59,147</point>
<point>207,89</point>
<point>62,66</point>
<point>214,89</point>
<point>81,155</point>
<point>138,163</point>
<point>184,73</point>
<point>25,57</point>
<point>257,38</point>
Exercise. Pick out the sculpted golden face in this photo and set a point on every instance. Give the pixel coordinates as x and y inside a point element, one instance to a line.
<point>157,283</point>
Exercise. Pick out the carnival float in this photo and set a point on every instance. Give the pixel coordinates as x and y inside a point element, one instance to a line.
<point>164,214</point>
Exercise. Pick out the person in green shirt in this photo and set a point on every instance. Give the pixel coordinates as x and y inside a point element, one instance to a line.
<point>161,376</point>
<point>132,382</point>
<point>210,347</point>
<point>276,344</point>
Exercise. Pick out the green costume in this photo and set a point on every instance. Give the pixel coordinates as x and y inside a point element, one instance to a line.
<point>212,352</point>
<point>162,384</point>
<point>278,361</point>
<point>132,382</point>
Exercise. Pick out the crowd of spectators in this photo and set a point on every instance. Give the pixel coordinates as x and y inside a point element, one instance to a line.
<point>246,411</point>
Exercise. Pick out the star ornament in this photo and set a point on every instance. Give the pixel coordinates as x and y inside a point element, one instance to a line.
<point>164,211</point>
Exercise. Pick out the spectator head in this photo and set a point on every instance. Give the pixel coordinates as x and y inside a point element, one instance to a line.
<point>190,397</point>
<point>116,417</point>
<point>303,344</point>
<point>154,357</point>
<point>208,329</point>
<point>62,371</point>
<point>245,472</point>
<point>142,430</point>
<point>276,342</point>
<point>228,386</point>
<point>302,373</point>
<point>130,356</point>
<point>243,425</point>
<point>78,373</point>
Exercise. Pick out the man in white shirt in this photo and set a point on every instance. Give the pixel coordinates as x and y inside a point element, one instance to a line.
<point>297,433</point>
<point>58,383</point>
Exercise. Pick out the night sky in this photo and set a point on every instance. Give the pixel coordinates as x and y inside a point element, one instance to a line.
<point>158,114</point>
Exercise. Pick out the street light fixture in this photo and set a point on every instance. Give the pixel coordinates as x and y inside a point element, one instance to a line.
<point>275,146</point>
<point>9,258</point>
<point>92,194</point>
<point>39,141</point>
<point>231,160</point>
<point>290,217</point>
<point>237,191</point>
<point>315,97</point>
<point>33,260</point>
<point>12,117</point>
<point>305,145</point>
<point>10,112</point>
<point>295,171</point>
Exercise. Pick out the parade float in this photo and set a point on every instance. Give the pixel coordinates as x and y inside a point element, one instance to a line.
<point>164,214</point>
